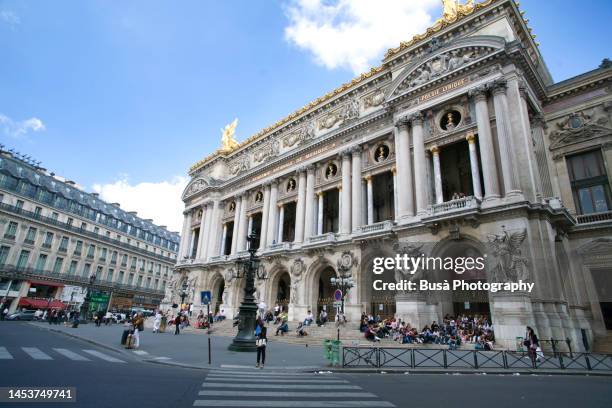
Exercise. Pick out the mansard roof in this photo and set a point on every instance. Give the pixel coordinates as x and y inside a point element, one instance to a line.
<point>37,176</point>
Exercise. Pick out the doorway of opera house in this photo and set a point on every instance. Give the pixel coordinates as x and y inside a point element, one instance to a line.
<point>280,291</point>
<point>461,301</point>
<point>217,288</point>
<point>378,302</point>
<point>325,293</point>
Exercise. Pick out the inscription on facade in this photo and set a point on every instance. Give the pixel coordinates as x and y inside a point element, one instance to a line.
<point>443,89</point>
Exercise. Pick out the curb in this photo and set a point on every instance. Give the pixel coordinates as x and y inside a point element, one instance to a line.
<point>407,371</point>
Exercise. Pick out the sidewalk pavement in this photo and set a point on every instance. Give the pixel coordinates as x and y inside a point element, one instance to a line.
<point>191,350</point>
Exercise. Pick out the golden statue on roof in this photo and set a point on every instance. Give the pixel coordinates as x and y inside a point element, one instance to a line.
<point>452,8</point>
<point>228,142</point>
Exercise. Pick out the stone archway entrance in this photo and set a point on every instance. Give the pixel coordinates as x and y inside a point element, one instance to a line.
<point>325,292</point>
<point>280,290</point>
<point>460,302</point>
<point>217,288</point>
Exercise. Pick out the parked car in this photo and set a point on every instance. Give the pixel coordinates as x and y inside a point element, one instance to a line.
<point>24,315</point>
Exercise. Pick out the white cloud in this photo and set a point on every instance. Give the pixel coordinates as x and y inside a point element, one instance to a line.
<point>355,34</point>
<point>9,17</point>
<point>159,201</point>
<point>19,129</point>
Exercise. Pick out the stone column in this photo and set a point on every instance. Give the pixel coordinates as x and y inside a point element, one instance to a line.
<point>485,139</point>
<point>506,153</point>
<point>370,196</point>
<point>237,200</point>
<point>471,139</point>
<point>309,206</point>
<point>273,213</point>
<point>281,219</point>
<point>207,241</point>
<point>217,213</point>
<point>243,223</point>
<point>184,247</point>
<point>300,208</point>
<point>250,225</point>
<point>356,188</point>
<point>435,154</point>
<point>320,213</point>
<point>200,249</point>
<point>263,236</point>
<point>395,209</point>
<point>345,221</point>
<point>403,161</point>
<point>223,238</point>
<point>548,172</point>
<point>420,172</point>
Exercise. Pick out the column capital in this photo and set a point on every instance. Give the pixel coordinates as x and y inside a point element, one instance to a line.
<point>435,150</point>
<point>471,138</point>
<point>416,119</point>
<point>280,205</point>
<point>368,178</point>
<point>394,170</point>
<point>339,187</point>
<point>356,150</point>
<point>273,183</point>
<point>346,154</point>
<point>319,194</point>
<point>478,94</point>
<point>402,122</point>
<point>537,120</point>
<point>300,170</point>
<point>498,87</point>
<point>310,168</point>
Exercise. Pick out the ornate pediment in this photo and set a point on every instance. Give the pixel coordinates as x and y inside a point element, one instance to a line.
<point>198,184</point>
<point>442,60</point>
<point>347,112</point>
<point>578,127</point>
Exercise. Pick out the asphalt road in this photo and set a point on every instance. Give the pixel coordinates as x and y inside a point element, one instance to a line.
<point>126,382</point>
<point>31,356</point>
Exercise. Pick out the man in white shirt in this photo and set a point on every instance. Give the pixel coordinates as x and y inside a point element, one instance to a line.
<point>262,309</point>
<point>309,319</point>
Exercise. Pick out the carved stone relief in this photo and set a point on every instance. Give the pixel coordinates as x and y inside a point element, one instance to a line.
<point>508,263</point>
<point>266,152</point>
<point>580,126</point>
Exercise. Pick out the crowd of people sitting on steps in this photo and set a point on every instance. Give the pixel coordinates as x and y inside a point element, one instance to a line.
<point>452,331</point>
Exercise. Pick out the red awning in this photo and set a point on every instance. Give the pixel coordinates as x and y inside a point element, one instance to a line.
<point>41,303</point>
<point>45,283</point>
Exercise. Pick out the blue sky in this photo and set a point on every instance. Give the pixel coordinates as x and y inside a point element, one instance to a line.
<point>124,96</point>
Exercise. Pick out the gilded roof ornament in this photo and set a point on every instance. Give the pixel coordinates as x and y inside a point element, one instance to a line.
<point>228,142</point>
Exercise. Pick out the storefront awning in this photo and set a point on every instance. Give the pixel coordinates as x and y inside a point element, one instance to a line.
<point>41,303</point>
<point>45,283</point>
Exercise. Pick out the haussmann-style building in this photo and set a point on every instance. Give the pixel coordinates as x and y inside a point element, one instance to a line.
<point>57,242</point>
<point>458,144</point>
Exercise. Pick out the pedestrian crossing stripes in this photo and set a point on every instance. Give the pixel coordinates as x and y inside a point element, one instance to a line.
<point>36,354</point>
<point>4,354</point>
<point>103,356</point>
<point>257,388</point>
<point>53,354</point>
<point>71,354</point>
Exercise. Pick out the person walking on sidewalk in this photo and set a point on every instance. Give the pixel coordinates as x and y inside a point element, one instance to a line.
<point>261,343</point>
<point>157,321</point>
<point>138,323</point>
<point>177,324</point>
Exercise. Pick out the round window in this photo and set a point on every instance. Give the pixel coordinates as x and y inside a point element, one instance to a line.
<point>382,152</point>
<point>450,120</point>
<point>331,170</point>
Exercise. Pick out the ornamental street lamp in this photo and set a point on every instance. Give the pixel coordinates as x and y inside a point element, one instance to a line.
<point>245,339</point>
<point>183,293</point>
<point>344,281</point>
<point>85,306</point>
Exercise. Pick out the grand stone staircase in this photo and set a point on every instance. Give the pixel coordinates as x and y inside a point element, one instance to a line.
<point>349,335</point>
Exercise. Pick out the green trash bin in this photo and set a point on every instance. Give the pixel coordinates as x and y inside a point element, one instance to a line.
<point>335,352</point>
<point>327,349</point>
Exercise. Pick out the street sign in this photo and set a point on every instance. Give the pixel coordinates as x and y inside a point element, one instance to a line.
<point>338,295</point>
<point>205,297</point>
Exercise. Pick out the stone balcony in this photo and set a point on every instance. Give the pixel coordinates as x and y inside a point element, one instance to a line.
<point>594,218</point>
